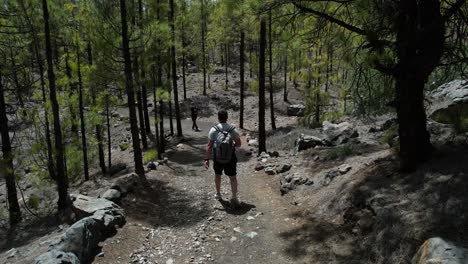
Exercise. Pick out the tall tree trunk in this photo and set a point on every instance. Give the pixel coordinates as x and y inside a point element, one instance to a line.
<point>6,167</point>
<point>155,102</point>
<point>144,91</point>
<point>109,139</point>
<point>62,179</point>
<point>242,64</point>
<point>174,69</point>
<point>250,61</point>
<point>203,28</point>
<point>261,89</point>
<point>81,110</point>
<point>420,40</point>
<point>50,159</point>
<point>171,121</point>
<point>137,155</point>
<point>285,91</point>
<point>68,72</point>
<point>226,49</point>
<point>159,84</point>
<point>184,62</point>
<point>140,102</point>
<point>98,127</point>
<point>270,61</point>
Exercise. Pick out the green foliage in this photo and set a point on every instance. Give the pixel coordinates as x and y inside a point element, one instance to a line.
<point>33,202</point>
<point>253,87</point>
<point>124,146</point>
<point>150,155</point>
<point>389,137</point>
<point>339,152</point>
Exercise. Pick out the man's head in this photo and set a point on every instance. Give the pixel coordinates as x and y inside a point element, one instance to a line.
<point>222,116</point>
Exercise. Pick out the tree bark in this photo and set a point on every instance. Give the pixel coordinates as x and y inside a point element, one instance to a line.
<point>6,167</point>
<point>137,155</point>
<point>242,64</point>
<point>174,69</point>
<point>261,89</point>
<point>420,41</point>
<point>203,28</point>
<point>226,50</point>
<point>270,61</point>
<point>62,179</point>
<point>143,75</point>
<point>98,127</point>
<point>109,139</point>
<point>139,98</point>
<point>285,91</point>
<point>82,120</point>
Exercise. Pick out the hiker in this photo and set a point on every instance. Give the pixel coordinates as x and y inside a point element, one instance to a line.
<point>194,111</point>
<point>223,141</point>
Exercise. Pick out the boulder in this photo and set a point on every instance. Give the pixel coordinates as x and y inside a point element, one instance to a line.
<point>345,168</point>
<point>296,110</point>
<point>81,239</point>
<point>441,133</point>
<point>339,133</point>
<point>57,257</point>
<point>274,154</point>
<point>270,169</point>
<point>252,142</point>
<point>437,250</point>
<point>306,142</point>
<point>259,167</point>
<point>152,165</point>
<point>85,206</point>
<point>126,183</point>
<point>329,176</point>
<point>286,187</point>
<point>283,168</point>
<point>449,104</point>
<point>112,195</point>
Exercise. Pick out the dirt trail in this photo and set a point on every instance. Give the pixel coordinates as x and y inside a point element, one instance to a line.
<point>184,224</point>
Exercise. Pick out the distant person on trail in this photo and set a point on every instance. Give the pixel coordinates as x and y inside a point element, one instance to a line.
<point>194,113</point>
<point>223,141</point>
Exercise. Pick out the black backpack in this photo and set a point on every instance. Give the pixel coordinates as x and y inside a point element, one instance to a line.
<point>223,145</point>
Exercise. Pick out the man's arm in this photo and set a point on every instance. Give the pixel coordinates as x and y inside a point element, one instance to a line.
<point>237,142</point>
<point>209,148</point>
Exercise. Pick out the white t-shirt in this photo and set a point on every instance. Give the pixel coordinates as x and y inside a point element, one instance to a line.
<point>223,127</point>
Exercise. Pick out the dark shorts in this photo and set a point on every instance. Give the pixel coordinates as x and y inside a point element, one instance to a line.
<point>230,169</point>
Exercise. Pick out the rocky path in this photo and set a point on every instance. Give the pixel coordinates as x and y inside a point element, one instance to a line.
<point>180,222</point>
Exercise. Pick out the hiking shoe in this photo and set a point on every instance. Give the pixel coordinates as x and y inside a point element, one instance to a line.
<point>218,197</point>
<point>235,201</point>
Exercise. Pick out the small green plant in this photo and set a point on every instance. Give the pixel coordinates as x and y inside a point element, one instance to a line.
<point>150,155</point>
<point>339,152</point>
<point>389,137</point>
<point>253,87</point>
<point>33,202</point>
<point>124,146</point>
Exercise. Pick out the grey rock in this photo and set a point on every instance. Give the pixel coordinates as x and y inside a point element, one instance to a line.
<point>284,168</point>
<point>57,257</point>
<point>329,176</point>
<point>152,165</point>
<point>259,167</point>
<point>286,187</point>
<point>339,133</point>
<point>306,141</point>
<point>126,183</point>
<point>437,250</point>
<point>84,206</point>
<point>296,110</point>
<point>270,169</point>
<point>449,102</point>
<point>345,168</point>
<point>441,133</point>
<point>81,239</point>
<point>112,195</point>
<point>273,154</point>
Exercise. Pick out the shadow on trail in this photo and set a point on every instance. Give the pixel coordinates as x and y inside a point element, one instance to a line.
<point>241,209</point>
<point>407,210</point>
<point>162,205</point>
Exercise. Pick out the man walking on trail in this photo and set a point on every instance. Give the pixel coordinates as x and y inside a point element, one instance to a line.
<point>223,141</point>
<point>194,113</point>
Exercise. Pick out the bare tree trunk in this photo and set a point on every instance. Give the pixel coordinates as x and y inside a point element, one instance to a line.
<point>137,155</point>
<point>82,120</point>
<point>143,75</point>
<point>242,64</point>
<point>226,62</point>
<point>6,167</point>
<point>174,69</point>
<point>68,72</point>
<point>203,44</point>
<point>98,127</point>
<point>109,139</point>
<point>62,179</point>
<point>285,91</point>
<point>272,100</point>
<point>261,89</point>
<point>50,159</point>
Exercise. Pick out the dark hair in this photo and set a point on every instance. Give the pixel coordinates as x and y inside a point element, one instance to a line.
<point>222,115</point>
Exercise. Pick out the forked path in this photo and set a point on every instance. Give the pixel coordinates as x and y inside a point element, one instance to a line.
<point>178,221</point>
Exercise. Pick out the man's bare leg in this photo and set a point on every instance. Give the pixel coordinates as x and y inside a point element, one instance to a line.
<point>218,185</point>
<point>233,185</point>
